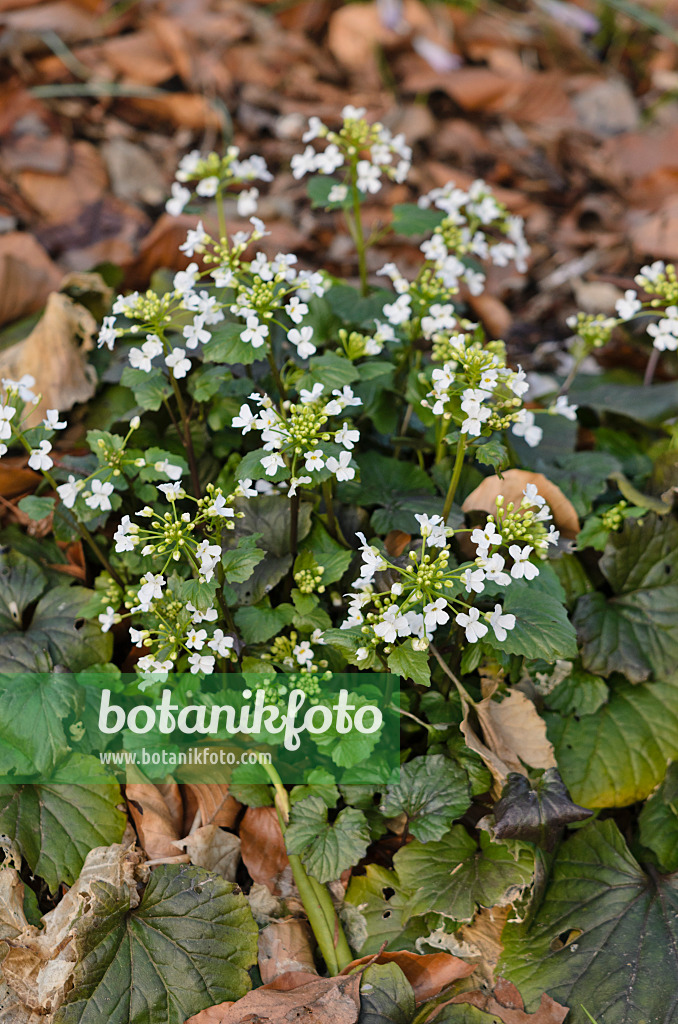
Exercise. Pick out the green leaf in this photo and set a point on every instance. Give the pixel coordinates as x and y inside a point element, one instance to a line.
<point>542,628</point>
<point>635,631</point>
<point>410,664</point>
<point>36,508</point>
<point>330,369</point>
<point>56,825</point>
<point>452,877</point>
<point>319,187</point>
<point>658,821</point>
<point>353,308</point>
<point>201,595</point>
<point>326,850</point>
<point>652,404</point>
<point>334,558</point>
<point>400,511</point>
<point>410,219</point>
<point>604,937</point>
<point>149,388</point>
<point>432,792</point>
<point>308,613</point>
<point>383,479</point>
<point>239,562</point>
<point>187,946</point>
<point>582,476</point>
<point>225,346</point>
<point>382,901</point>
<point>258,623</point>
<point>32,710</point>
<point>492,453</point>
<point>53,629</point>
<point>618,755</point>
<point>386,996</point>
<point>21,583</point>
<point>250,468</point>
<point>580,693</point>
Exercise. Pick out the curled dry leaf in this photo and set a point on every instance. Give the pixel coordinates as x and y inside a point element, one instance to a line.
<point>55,354</point>
<point>12,919</point>
<point>16,478</point>
<point>321,1000</point>
<point>213,800</point>
<point>263,850</point>
<point>212,848</point>
<point>157,814</point>
<point>285,947</point>
<point>506,1004</point>
<point>511,732</point>
<point>479,941</point>
<point>38,963</point>
<point>427,973</point>
<point>512,485</point>
<point>27,276</point>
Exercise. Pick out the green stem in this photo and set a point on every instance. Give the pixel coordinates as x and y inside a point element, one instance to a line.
<point>317,902</point>
<point>276,373</point>
<point>294,524</point>
<point>456,473</point>
<point>188,440</point>
<point>358,234</point>
<point>223,234</point>
<point>329,506</point>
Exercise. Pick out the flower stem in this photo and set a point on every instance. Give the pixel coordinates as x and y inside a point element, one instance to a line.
<point>329,507</point>
<point>359,237</point>
<point>276,373</point>
<point>188,440</point>
<point>294,524</point>
<point>456,473</point>
<point>317,902</point>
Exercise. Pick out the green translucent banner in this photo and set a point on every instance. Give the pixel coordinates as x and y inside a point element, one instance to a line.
<point>94,727</point>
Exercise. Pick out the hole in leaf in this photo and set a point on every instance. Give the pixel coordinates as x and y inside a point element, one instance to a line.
<point>386,915</point>
<point>565,938</point>
<point>387,892</point>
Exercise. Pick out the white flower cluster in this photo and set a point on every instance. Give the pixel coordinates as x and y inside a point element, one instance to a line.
<point>370,151</point>
<point>297,433</point>
<point>212,174</point>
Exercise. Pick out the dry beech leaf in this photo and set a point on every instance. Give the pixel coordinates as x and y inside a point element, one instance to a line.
<point>396,542</point>
<point>512,485</point>
<point>427,973</point>
<point>285,947</point>
<point>12,919</point>
<point>321,1000</point>
<point>212,848</point>
<point>39,962</point>
<point>213,800</point>
<point>157,814</point>
<point>55,354</point>
<point>13,1011</point>
<point>480,941</point>
<point>506,1004</point>
<point>263,850</point>
<point>27,276</point>
<point>16,478</point>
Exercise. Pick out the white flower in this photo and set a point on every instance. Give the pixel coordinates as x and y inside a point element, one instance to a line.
<point>477,414</point>
<point>398,312</point>
<point>272,463</point>
<point>471,625</point>
<point>196,639</point>
<point>435,614</point>
<point>665,333</point>
<point>525,427</point>
<point>493,568</point>
<point>329,160</point>
<point>302,340</point>
<point>341,468</point>
<point>473,579</point>
<point>246,419</point>
<point>522,566</point>
<point>207,187</point>
<point>246,488</point>
<point>484,539</point>
<point>351,113</point>
<point>369,176</point>
<point>532,497</point>
<point>150,590</point>
<point>137,636</point>
<point>392,625</point>
<point>100,496</point>
<point>178,363</point>
<point>337,194</point>
<point>172,491</point>
<point>247,202</point>
<point>306,396</point>
<point>315,130</point>
<point>361,654</point>
<point>314,460</point>
<point>255,333</point>
<point>433,529</point>
<point>561,408</point>
<point>125,537</point>
<point>296,309</point>
<point>220,643</point>
<point>107,619</point>
<point>165,466</point>
<point>518,383</point>
<point>500,623</point>
<point>195,333</point>
<point>40,459</point>
<point>627,307</point>
<point>180,196</point>
<point>220,508</point>
<point>651,273</point>
<point>303,163</point>
<point>201,663</point>
<point>6,414</point>
<point>68,492</point>
<point>347,437</point>
<point>184,280</point>
<point>51,420</point>
<point>108,333</point>
<point>195,240</point>
<point>211,615</point>
<point>372,560</point>
<point>303,652</point>
<point>141,358</point>
<point>296,482</point>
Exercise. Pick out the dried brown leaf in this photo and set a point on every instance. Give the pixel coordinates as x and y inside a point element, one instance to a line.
<point>213,800</point>
<point>322,1000</point>
<point>285,947</point>
<point>55,354</point>
<point>507,1005</point>
<point>212,848</point>
<point>427,973</point>
<point>27,276</point>
<point>157,817</point>
<point>263,850</point>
